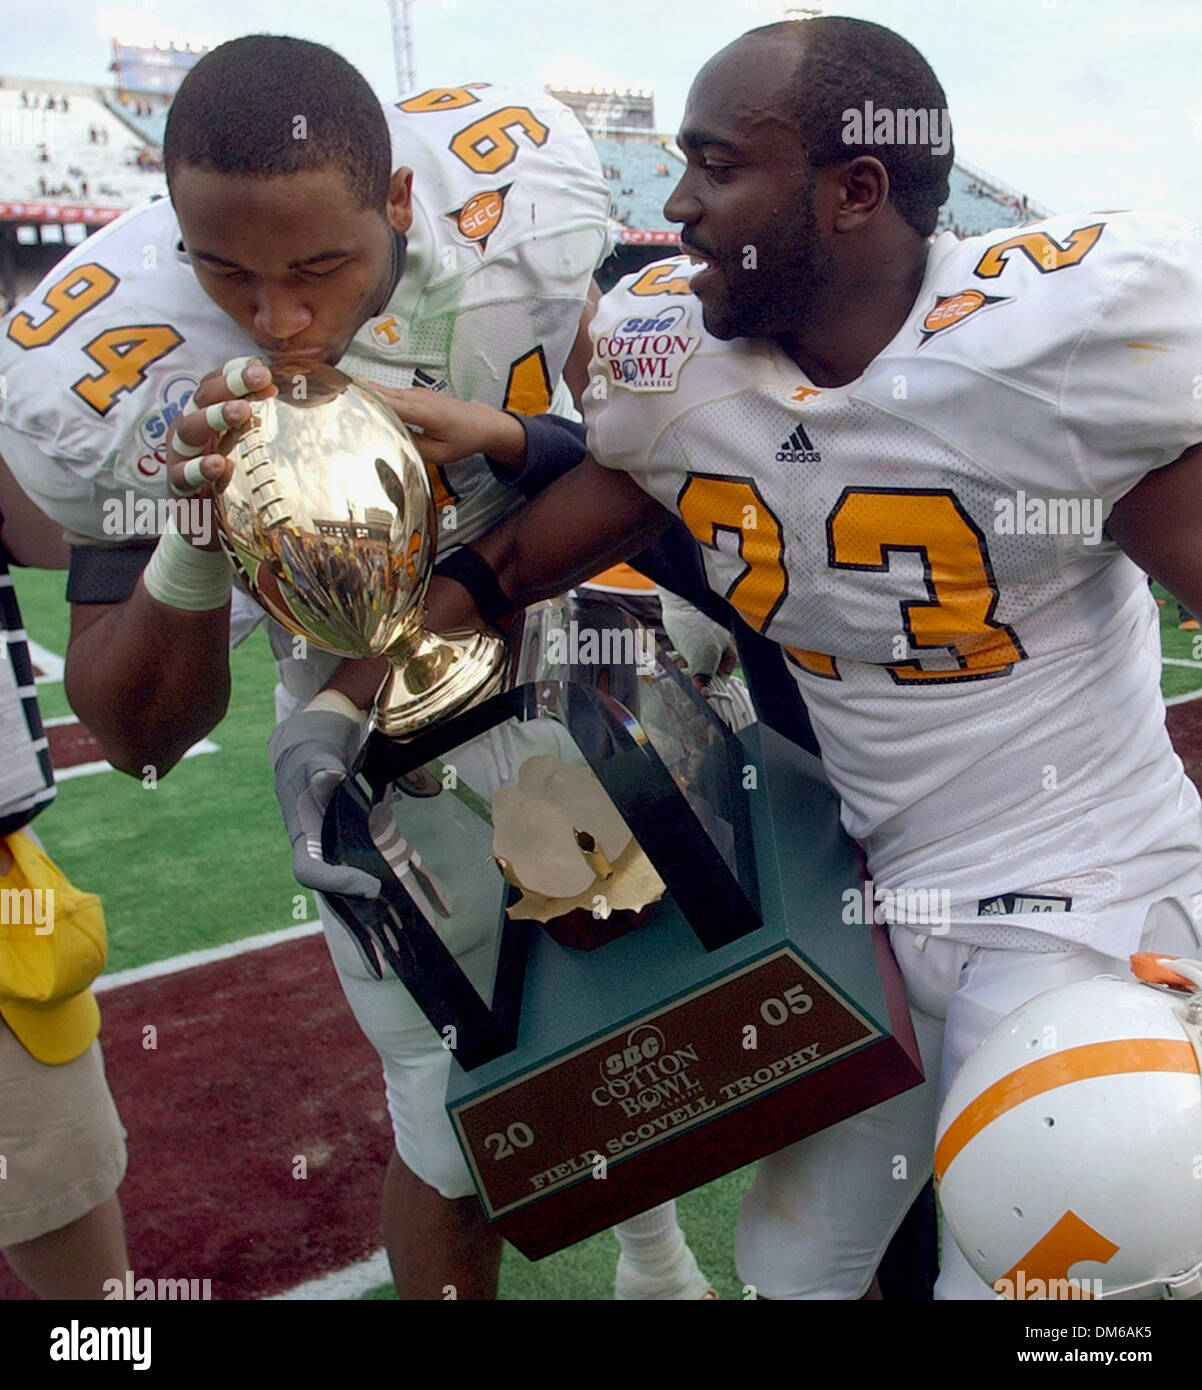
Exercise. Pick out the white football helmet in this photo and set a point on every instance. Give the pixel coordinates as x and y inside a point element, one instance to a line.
<point>1069,1150</point>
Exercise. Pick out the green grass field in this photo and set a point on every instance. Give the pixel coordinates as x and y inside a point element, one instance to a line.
<point>201,859</point>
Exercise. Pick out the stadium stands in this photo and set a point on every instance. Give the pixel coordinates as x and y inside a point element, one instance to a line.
<point>638,190</point>
<point>85,151</point>
<point>977,203</point>
<point>150,124</point>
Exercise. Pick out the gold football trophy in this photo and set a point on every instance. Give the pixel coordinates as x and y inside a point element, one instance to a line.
<point>329,522</point>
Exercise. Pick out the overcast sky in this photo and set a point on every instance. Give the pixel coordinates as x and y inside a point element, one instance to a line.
<point>1082,104</point>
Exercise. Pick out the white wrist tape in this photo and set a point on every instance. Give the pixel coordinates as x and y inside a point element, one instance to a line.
<point>181,576</point>
<point>335,702</point>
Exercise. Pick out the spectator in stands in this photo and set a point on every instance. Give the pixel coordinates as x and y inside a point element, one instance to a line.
<point>83,188</point>
<point>42,184</point>
<point>43,155</point>
<point>50,106</point>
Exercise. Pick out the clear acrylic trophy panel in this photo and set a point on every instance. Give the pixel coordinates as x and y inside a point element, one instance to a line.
<point>672,769</point>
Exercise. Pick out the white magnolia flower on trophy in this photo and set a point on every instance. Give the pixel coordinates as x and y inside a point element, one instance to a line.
<point>557,831</point>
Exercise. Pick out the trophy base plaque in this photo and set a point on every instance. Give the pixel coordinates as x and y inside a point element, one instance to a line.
<point>655,1065</point>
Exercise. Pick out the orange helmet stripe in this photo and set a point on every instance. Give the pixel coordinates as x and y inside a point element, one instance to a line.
<point>1074,1064</point>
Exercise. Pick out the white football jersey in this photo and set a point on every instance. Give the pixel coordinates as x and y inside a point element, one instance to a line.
<point>510,221</point>
<point>981,662</point>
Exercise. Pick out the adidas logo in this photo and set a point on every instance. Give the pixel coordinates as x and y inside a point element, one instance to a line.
<point>431,383</point>
<point>798,449</point>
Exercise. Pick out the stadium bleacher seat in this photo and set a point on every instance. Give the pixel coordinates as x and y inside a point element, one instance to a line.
<point>974,207</point>
<point>639,193</point>
<point>110,170</point>
<point>152,127</point>
<point>643,205</point>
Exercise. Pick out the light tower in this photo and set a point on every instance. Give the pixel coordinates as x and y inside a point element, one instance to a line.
<point>402,45</point>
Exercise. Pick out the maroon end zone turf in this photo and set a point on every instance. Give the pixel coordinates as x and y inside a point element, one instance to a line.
<point>1185,730</point>
<point>257,1062</point>
<point>71,744</point>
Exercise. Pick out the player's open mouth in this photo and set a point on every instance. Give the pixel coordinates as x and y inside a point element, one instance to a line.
<point>707,273</point>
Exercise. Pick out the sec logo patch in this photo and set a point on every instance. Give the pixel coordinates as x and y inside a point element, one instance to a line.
<point>952,309</point>
<point>479,217</point>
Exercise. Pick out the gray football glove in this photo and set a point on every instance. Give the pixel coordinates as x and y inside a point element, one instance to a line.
<point>312,752</point>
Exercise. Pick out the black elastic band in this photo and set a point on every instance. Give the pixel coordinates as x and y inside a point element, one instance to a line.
<point>107,573</point>
<point>476,575</point>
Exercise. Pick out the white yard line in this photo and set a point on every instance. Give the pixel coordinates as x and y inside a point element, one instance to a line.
<point>64,774</point>
<point>190,959</point>
<point>352,1282</point>
<point>48,663</point>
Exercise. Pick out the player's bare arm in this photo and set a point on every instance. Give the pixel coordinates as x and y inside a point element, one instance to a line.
<point>27,533</point>
<point>149,679</point>
<point>591,518</point>
<point>1159,525</point>
<point>452,429</point>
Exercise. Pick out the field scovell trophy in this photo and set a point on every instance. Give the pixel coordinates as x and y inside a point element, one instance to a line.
<point>729,1010</point>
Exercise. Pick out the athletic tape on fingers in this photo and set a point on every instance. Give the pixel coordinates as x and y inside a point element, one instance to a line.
<point>194,475</point>
<point>233,375</point>
<point>186,450</point>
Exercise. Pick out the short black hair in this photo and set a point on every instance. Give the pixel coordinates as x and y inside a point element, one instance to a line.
<point>842,64</point>
<point>267,104</point>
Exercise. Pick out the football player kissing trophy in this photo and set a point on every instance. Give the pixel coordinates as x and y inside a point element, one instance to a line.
<point>729,1010</point>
